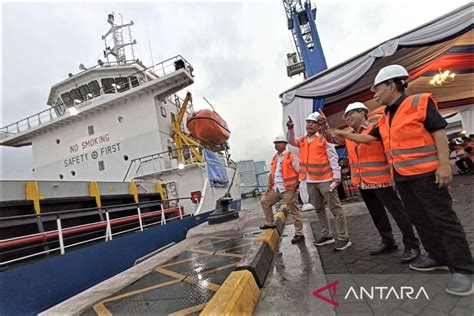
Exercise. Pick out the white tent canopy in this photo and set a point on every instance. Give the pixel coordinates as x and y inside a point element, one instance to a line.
<point>297,101</point>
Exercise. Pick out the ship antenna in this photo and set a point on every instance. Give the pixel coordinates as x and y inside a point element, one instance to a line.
<point>209,103</point>
<point>151,52</point>
<point>118,49</point>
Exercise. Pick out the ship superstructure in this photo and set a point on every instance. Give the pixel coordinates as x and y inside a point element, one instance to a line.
<point>117,175</point>
<point>103,117</point>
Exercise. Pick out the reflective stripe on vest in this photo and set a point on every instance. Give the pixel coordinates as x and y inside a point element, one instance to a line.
<point>289,175</point>
<point>416,161</point>
<point>423,149</point>
<point>367,161</point>
<point>314,165</point>
<point>314,160</point>
<point>317,174</point>
<point>369,164</point>
<point>409,147</point>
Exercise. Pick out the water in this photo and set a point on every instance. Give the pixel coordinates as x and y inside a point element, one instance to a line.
<point>249,202</point>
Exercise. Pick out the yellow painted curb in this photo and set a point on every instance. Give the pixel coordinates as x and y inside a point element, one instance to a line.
<point>238,295</point>
<point>283,209</point>
<point>271,237</point>
<point>280,215</point>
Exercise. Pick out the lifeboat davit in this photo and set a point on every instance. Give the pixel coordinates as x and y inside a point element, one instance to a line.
<point>208,127</point>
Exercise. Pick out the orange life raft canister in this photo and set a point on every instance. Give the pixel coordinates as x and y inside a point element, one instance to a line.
<point>208,127</point>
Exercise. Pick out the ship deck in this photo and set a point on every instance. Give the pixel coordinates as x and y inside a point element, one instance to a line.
<point>181,280</point>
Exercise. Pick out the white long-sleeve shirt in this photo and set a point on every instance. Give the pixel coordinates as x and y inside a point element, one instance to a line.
<point>278,178</point>
<point>330,150</point>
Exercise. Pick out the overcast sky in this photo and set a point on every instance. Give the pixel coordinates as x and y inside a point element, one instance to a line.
<point>238,51</point>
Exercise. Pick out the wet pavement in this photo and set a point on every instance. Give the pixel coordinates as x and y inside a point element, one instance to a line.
<point>303,279</point>
<point>181,286</point>
<point>355,267</point>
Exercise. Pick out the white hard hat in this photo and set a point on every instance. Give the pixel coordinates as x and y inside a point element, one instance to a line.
<point>313,117</point>
<point>280,138</point>
<point>354,106</point>
<point>458,141</point>
<point>390,72</point>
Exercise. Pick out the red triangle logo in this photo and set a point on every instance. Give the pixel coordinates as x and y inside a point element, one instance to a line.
<point>332,286</point>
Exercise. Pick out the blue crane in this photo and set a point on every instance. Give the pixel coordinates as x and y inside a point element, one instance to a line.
<point>309,56</point>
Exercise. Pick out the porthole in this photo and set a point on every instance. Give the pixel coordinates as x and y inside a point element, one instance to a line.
<point>58,140</point>
<point>125,157</point>
<point>73,173</point>
<point>120,119</point>
<point>61,176</point>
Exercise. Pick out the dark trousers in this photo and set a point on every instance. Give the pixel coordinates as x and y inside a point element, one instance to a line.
<point>464,164</point>
<point>430,210</point>
<point>377,200</point>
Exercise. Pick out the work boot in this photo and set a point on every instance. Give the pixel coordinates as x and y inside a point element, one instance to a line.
<point>267,226</point>
<point>427,264</point>
<point>384,248</point>
<point>409,255</point>
<point>324,241</point>
<point>342,244</point>
<point>460,284</point>
<point>297,238</point>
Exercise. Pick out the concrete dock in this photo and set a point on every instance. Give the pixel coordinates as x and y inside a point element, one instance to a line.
<point>184,278</point>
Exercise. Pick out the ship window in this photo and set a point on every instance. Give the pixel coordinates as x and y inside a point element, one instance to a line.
<point>59,101</point>
<point>61,176</point>
<point>73,173</point>
<point>85,93</point>
<point>75,95</point>
<point>134,81</point>
<point>94,88</point>
<point>59,108</point>
<point>163,111</point>
<point>122,84</point>
<point>107,85</point>
<point>101,165</point>
<point>67,99</point>
<point>125,157</point>
<point>90,129</point>
<point>58,140</point>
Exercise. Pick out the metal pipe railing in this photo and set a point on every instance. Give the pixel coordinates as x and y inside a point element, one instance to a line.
<point>149,74</point>
<point>61,232</point>
<point>138,162</point>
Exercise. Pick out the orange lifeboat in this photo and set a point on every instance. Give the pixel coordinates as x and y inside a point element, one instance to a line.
<point>208,127</point>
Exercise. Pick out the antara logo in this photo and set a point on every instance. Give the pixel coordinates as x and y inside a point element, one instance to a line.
<point>385,293</point>
<point>332,286</point>
<point>373,292</point>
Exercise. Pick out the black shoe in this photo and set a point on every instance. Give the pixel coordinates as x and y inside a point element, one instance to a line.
<point>427,264</point>
<point>384,248</point>
<point>409,255</point>
<point>297,238</point>
<point>267,226</point>
<point>342,244</point>
<point>460,284</point>
<point>324,241</point>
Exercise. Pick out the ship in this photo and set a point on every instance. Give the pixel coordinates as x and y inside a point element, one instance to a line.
<point>117,176</point>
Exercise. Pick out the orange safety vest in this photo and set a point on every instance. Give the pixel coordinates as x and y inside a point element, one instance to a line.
<point>290,175</point>
<point>368,161</point>
<point>409,147</point>
<point>314,159</point>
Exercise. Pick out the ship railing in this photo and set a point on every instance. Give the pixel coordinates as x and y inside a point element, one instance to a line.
<point>28,123</point>
<point>132,81</point>
<point>60,239</point>
<point>161,161</point>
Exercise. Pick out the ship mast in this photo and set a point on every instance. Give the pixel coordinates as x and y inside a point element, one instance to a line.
<point>118,48</point>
